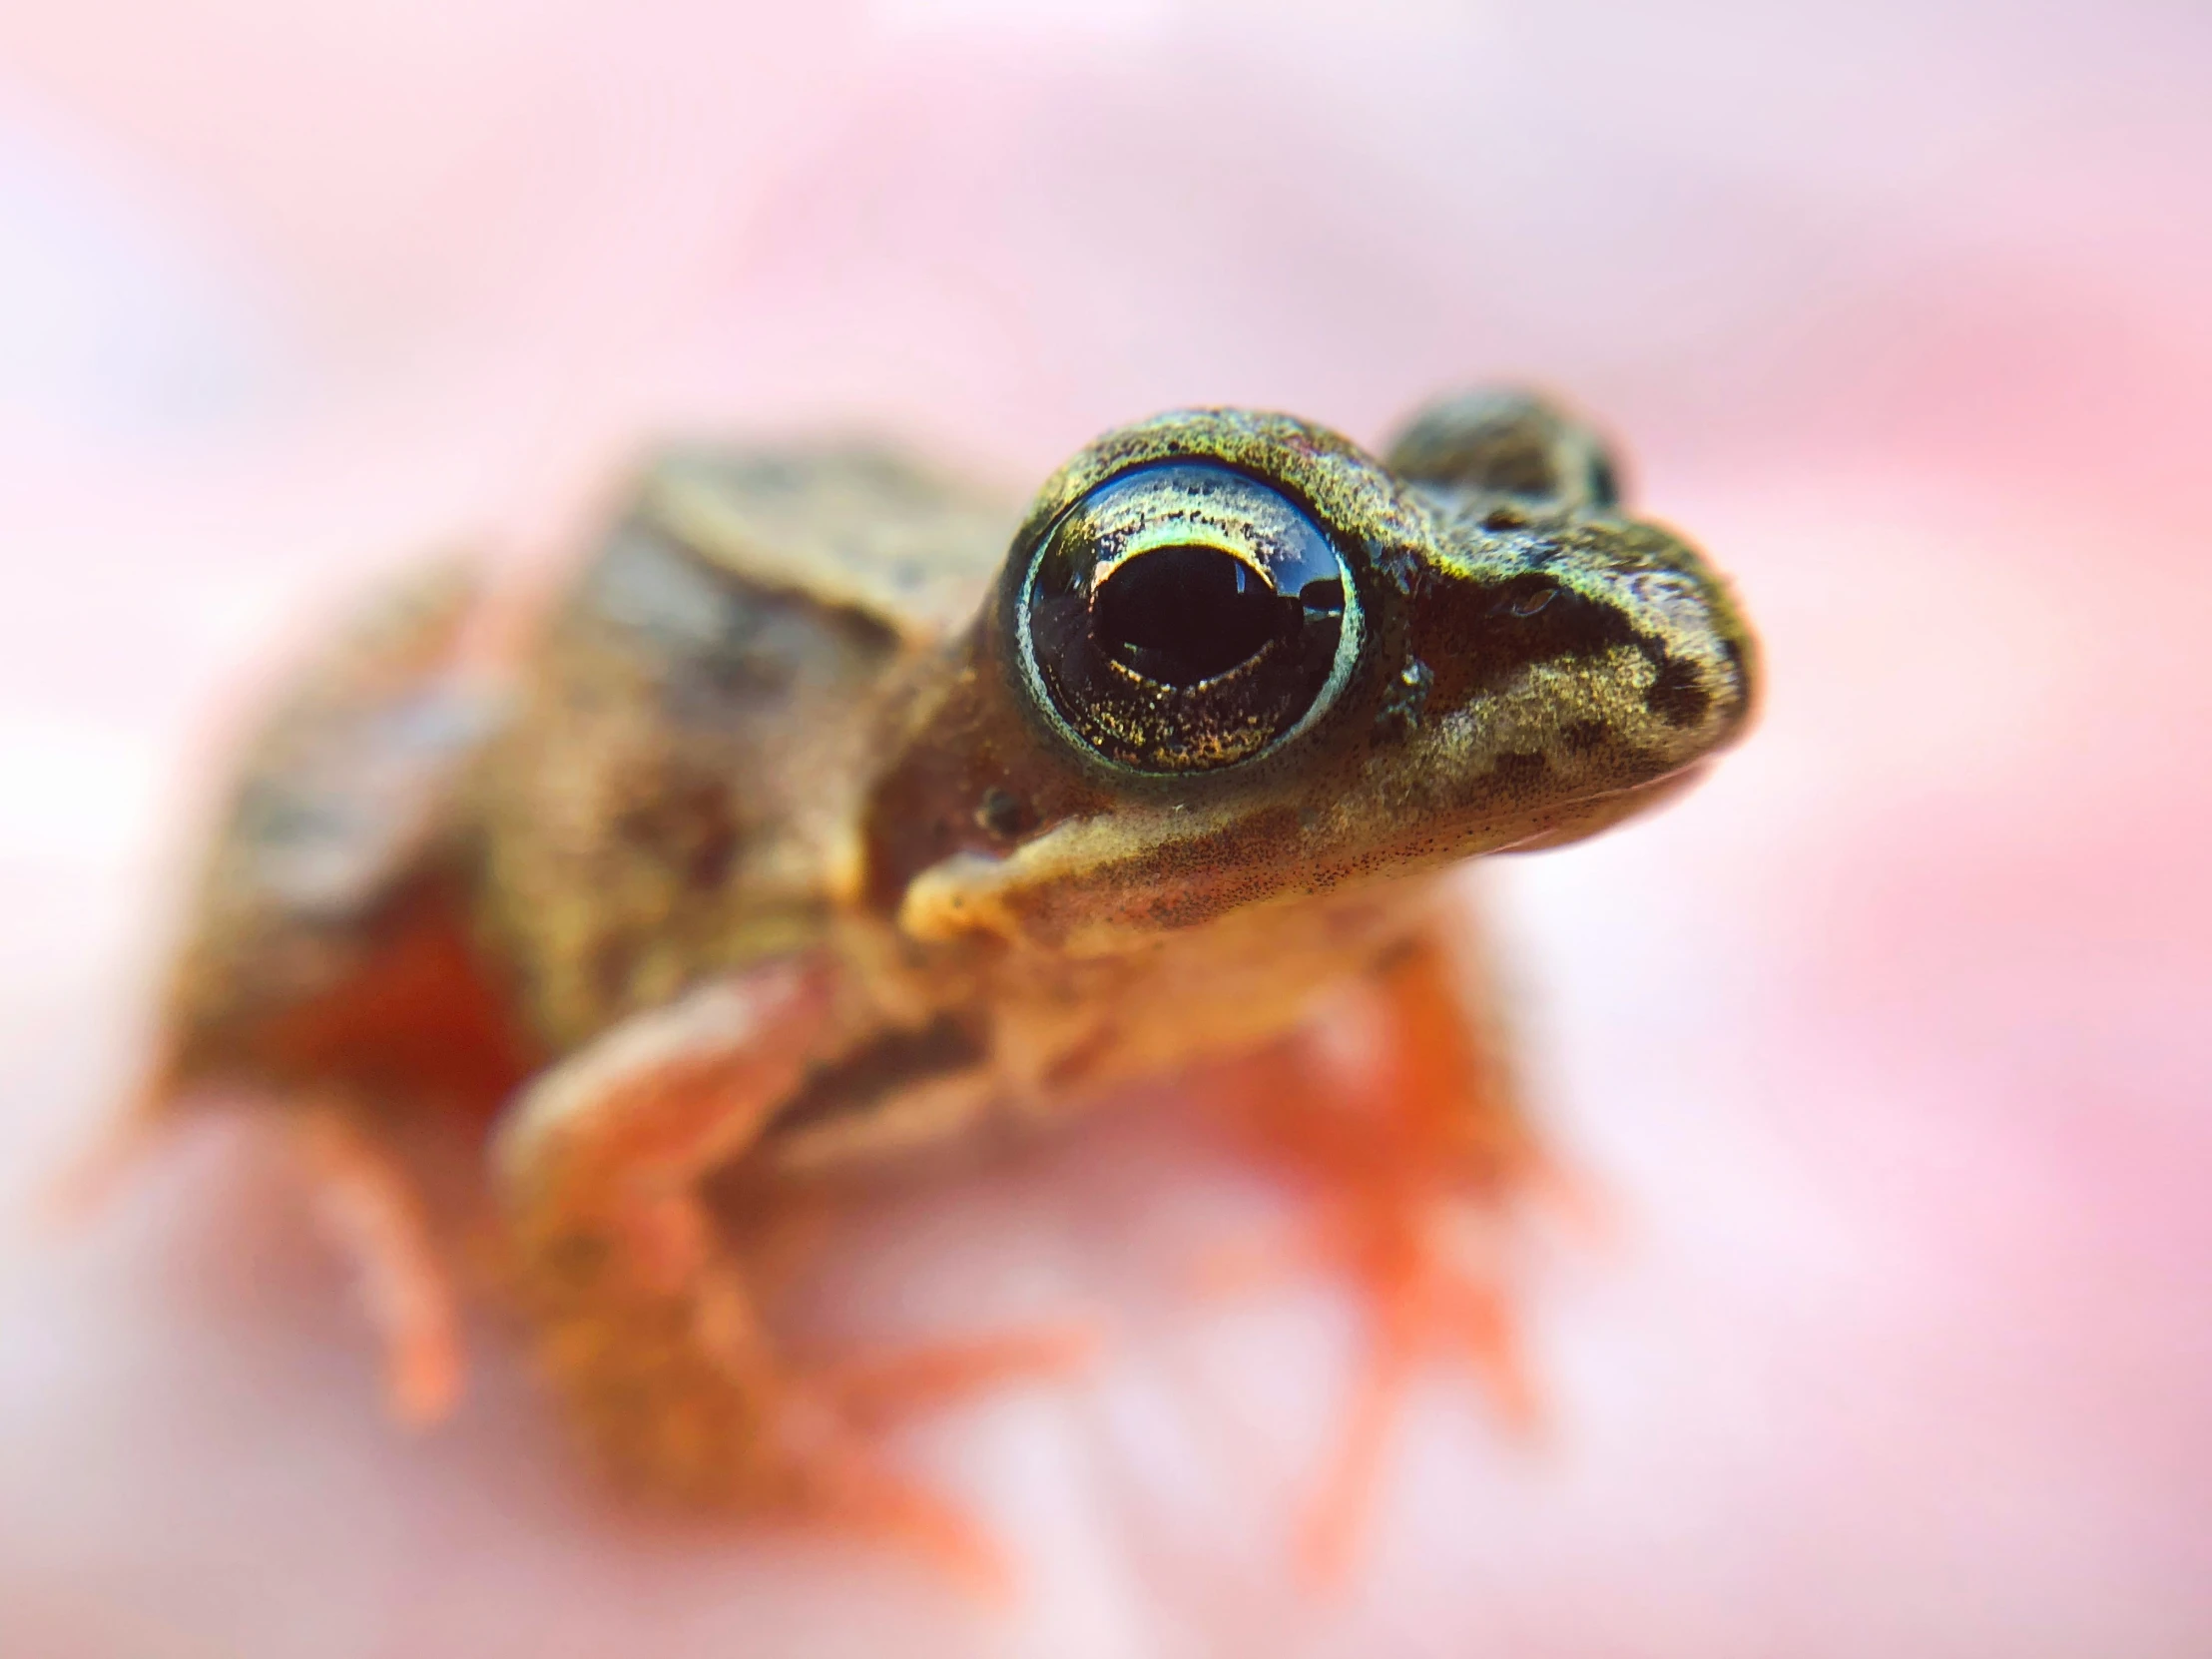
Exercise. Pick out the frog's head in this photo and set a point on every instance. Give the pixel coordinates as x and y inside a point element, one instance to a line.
<point>1234,660</point>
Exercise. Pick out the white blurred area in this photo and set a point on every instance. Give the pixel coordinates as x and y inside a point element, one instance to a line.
<point>1891,1040</point>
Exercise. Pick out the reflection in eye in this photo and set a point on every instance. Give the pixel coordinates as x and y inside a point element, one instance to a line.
<point>1184,617</point>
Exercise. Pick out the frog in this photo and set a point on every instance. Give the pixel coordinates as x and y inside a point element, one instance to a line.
<point>831,812</point>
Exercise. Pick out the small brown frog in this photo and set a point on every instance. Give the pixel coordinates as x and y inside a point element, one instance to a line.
<point>813,825</point>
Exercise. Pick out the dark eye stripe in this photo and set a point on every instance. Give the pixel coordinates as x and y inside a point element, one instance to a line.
<point>1478,637</point>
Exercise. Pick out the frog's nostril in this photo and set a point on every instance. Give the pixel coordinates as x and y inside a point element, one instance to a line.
<point>1180,616</point>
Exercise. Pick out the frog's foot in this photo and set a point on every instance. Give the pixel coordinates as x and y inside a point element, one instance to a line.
<point>1419,1174</point>
<point>648,1319</point>
<point>1432,1273</point>
<point>690,1400</point>
<point>372,1208</point>
<point>362,1195</point>
<point>829,1420</point>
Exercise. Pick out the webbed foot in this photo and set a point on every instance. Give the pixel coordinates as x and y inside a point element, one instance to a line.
<point>1420,1171</point>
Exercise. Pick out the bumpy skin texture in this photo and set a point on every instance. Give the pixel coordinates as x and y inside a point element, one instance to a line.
<point>764,864</point>
<point>1485,714</point>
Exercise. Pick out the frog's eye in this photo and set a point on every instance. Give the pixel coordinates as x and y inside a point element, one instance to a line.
<point>1185,617</point>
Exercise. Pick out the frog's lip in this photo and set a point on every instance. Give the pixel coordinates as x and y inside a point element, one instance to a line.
<point>1589,814</point>
<point>972,893</point>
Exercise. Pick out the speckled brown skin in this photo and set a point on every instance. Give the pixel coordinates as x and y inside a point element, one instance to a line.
<point>769,860</point>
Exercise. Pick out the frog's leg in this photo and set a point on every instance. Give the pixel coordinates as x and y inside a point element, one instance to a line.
<point>368,1202</point>
<point>328,984</point>
<point>411,1028</point>
<point>1418,1157</point>
<point>649,1327</point>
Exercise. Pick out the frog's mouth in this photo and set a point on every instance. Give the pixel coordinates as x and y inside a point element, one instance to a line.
<point>1608,807</point>
<point>1088,887</point>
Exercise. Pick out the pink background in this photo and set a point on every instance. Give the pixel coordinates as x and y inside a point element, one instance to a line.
<point>1892,1043</point>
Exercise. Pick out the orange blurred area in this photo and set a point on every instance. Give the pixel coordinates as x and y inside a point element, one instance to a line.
<point>1891,1045</point>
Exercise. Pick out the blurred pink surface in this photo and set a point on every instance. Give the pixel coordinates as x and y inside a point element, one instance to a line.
<point>1892,1042</point>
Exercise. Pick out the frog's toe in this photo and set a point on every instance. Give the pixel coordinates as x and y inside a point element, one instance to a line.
<point>826,1425</point>
<point>370,1205</point>
<point>1426,1293</point>
<point>822,1469</point>
<point>883,1389</point>
<point>1421,1178</point>
<point>1432,1272</point>
<point>821,1426</point>
<point>690,1401</point>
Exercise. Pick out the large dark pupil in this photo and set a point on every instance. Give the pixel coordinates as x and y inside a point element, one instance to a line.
<point>1180,615</point>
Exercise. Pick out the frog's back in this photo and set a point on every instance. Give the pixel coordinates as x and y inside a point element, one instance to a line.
<point>677,785</point>
<point>326,952</point>
<point>856,528</point>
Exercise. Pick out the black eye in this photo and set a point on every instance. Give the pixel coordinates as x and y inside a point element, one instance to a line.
<point>1185,617</point>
